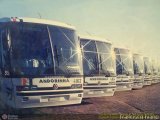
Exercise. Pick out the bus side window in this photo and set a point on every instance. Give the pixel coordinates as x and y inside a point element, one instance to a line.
<point>4,53</point>
<point>1,52</point>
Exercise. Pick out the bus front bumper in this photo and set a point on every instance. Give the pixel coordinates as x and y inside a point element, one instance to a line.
<point>147,81</point>
<point>124,86</point>
<point>98,91</point>
<point>155,80</point>
<point>137,84</point>
<point>31,100</point>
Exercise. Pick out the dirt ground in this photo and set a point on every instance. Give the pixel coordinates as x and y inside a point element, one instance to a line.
<point>145,100</point>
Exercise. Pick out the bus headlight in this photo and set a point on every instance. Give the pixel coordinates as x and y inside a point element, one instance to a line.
<point>22,88</point>
<point>25,84</point>
<point>85,83</point>
<point>24,81</point>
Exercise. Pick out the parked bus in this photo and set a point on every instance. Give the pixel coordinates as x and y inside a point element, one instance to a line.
<point>154,71</point>
<point>39,63</point>
<point>138,65</point>
<point>98,67</point>
<point>147,71</point>
<point>158,70</point>
<point>124,69</point>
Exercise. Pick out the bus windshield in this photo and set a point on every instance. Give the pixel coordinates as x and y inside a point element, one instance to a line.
<point>106,61</point>
<point>97,58</point>
<point>138,64</point>
<point>154,67</point>
<point>31,52</point>
<point>158,67</point>
<point>147,66</point>
<point>124,62</point>
<point>66,50</point>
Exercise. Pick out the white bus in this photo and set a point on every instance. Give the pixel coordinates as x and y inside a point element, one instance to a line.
<point>154,71</point>
<point>158,70</point>
<point>147,71</point>
<point>124,69</point>
<point>138,65</point>
<point>39,63</point>
<point>98,67</point>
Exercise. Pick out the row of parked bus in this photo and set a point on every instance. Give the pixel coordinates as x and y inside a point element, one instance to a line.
<point>45,63</point>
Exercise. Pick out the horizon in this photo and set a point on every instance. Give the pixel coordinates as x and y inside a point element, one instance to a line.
<point>133,24</point>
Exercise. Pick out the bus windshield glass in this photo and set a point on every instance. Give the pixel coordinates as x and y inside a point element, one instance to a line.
<point>147,66</point>
<point>154,67</point>
<point>66,51</point>
<point>31,52</point>
<point>106,61</point>
<point>124,63</point>
<point>138,64</point>
<point>97,58</point>
<point>158,68</point>
<point>90,57</point>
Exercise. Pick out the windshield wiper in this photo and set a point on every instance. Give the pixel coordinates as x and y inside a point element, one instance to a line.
<point>49,71</point>
<point>110,74</point>
<point>68,75</point>
<point>129,73</point>
<point>140,73</point>
<point>91,74</point>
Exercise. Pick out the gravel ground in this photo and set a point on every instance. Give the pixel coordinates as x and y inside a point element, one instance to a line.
<point>145,100</point>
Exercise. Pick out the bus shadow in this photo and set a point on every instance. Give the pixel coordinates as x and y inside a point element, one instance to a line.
<point>38,110</point>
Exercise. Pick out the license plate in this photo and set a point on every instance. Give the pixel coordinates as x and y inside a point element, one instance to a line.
<point>109,90</point>
<point>57,99</point>
<point>124,87</point>
<point>44,100</point>
<point>97,92</point>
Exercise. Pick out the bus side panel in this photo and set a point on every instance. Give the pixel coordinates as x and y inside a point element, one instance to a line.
<point>8,92</point>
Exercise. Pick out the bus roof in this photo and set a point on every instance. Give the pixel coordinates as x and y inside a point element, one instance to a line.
<point>36,20</point>
<point>146,57</point>
<point>124,48</point>
<point>96,38</point>
<point>137,54</point>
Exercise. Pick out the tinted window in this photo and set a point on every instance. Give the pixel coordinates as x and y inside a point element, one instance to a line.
<point>30,49</point>
<point>90,57</point>
<point>65,46</point>
<point>103,47</point>
<point>88,45</point>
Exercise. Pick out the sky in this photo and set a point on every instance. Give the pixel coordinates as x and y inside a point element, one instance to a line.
<point>126,23</point>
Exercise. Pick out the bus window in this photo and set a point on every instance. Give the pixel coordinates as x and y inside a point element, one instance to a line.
<point>65,51</point>
<point>105,57</point>
<point>90,57</point>
<point>138,64</point>
<point>30,50</point>
<point>5,60</point>
<point>0,47</point>
<point>124,61</point>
